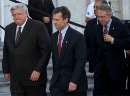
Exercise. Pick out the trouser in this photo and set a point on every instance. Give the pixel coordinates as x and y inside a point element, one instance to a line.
<point>19,89</point>
<point>58,92</point>
<point>104,85</point>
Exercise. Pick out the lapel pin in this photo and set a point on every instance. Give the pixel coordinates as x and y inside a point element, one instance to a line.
<point>113,28</point>
<point>66,42</point>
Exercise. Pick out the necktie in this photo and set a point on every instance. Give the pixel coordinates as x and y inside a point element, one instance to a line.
<point>105,31</point>
<point>59,42</point>
<point>18,36</point>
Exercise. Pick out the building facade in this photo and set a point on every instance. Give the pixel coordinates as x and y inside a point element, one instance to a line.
<point>77,8</point>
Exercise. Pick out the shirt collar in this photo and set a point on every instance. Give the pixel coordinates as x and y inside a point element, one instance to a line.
<point>109,23</point>
<point>63,31</point>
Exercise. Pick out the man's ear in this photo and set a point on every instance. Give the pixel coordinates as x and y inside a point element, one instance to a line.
<point>67,20</point>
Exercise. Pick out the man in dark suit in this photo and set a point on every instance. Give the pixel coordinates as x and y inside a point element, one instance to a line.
<point>90,12</point>
<point>68,55</point>
<point>107,46</point>
<point>127,25</point>
<point>41,10</point>
<point>25,54</point>
<point>89,36</point>
<point>128,72</point>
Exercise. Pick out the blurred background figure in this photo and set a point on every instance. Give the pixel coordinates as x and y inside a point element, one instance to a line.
<point>90,12</point>
<point>41,10</point>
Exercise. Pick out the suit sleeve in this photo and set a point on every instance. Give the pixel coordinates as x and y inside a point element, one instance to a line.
<point>44,48</point>
<point>90,45</point>
<point>80,57</point>
<point>5,61</point>
<point>51,7</point>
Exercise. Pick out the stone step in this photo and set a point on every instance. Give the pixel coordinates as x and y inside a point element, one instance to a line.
<point>1,56</point>
<point>89,75</point>
<point>1,52</point>
<point>4,89</point>
<point>0,66</point>
<point>4,84</point>
<point>5,94</point>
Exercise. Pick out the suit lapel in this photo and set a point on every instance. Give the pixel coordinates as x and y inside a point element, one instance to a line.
<point>66,42</point>
<point>13,32</point>
<point>55,49</point>
<point>113,30</point>
<point>99,33</point>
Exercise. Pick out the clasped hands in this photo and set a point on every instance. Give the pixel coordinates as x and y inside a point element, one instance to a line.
<point>108,38</point>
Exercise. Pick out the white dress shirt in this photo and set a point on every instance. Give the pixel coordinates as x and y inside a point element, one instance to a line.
<point>22,27</point>
<point>63,32</point>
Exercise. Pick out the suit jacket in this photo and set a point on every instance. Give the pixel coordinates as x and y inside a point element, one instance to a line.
<point>40,8</point>
<point>90,36</point>
<point>112,55</point>
<point>31,53</point>
<point>70,66</point>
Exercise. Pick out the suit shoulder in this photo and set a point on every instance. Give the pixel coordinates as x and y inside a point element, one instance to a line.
<point>36,23</point>
<point>10,25</point>
<point>75,32</point>
<point>55,33</point>
<point>92,21</point>
<point>116,20</point>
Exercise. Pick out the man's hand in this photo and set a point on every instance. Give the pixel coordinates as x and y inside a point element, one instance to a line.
<point>72,87</point>
<point>7,76</point>
<point>108,38</point>
<point>35,76</point>
<point>46,19</point>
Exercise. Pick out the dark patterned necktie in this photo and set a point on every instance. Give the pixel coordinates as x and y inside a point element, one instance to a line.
<point>18,35</point>
<point>105,31</point>
<point>59,42</point>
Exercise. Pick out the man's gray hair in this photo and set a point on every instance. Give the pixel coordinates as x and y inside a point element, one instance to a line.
<point>106,8</point>
<point>20,6</point>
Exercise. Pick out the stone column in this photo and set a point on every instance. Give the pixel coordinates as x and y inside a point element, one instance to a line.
<point>116,7</point>
<point>2,20</point>
<point>77,8</point>
<point>126,9</point>
<point>6,17</point>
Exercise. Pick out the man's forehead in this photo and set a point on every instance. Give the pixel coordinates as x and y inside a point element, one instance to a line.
<point>58,14</point>
<point>102,11</point>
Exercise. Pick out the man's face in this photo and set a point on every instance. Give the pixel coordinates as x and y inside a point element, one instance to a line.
<point>19,16</point>
<point>103,17</point>
<point>59,21</point>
